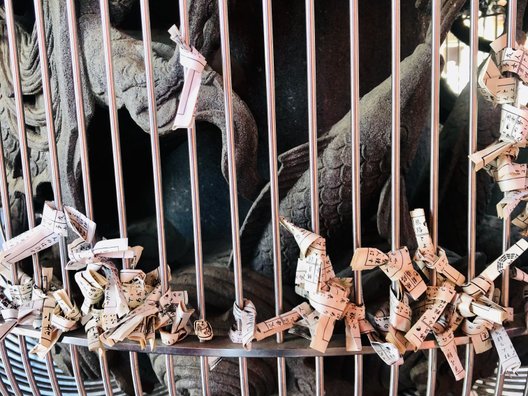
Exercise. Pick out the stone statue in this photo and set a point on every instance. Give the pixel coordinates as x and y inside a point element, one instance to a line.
<point>251,152</point>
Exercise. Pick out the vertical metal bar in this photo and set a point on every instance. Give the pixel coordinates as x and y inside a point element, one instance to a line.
<point>458,64</point>
<point>195,199</point>
<point>434,161</point>
<point>312,134</point>
<point>4,196</point>
<point>114,123</point>
<point>355,171</point>
<point>274,181</point>
<point>395,154</point>
<point>472,178</point>
<point>26,172</point>
<point>233,198</point>
<point>116,155</point>
<point>505,295</point>
<point>3,389</point>
<point>85,171</point>
<point>79,107</point>
<point>54,169</point>
<point>156,166</point>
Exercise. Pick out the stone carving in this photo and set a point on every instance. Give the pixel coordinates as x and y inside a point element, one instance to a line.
<point>334,165</point>
<point>130,92</point>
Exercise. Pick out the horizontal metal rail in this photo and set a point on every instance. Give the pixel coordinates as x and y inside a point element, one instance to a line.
<point>221,346</point>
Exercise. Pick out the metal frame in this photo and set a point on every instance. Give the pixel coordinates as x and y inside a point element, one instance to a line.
<point>221,346</point>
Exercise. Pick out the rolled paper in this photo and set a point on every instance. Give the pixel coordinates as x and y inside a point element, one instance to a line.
<point>426,256</point>
<point>246,316</point>
<point>203,330</point>
<point>397,266</point>
<point>194,64</point>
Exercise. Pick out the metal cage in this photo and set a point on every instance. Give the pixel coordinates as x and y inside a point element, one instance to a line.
<point>34,377</point>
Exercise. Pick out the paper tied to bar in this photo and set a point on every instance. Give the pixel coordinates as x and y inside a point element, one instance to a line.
<point>59,315</point>
<point>400,312</point>
<point>114,302</point>
<point>174,314</point>
<point>510,176</point>
<point>426,257</point>
<point>136,285</point>
<point>437,299</point>
<point>482,283</point>
<point>494,87</point>
<point>126,325</point>
<point>193,63</point>
<point>487,157</point>
<point>243,331</point>
<point>203,330</point>
<point>355,318</point>
<point>31,304</point>
<point>521,221</point>
<point>397,266</point>
<point>46,234</point>
<point>141,292</point>
<point>518,275</point>
<point>80,224</point>
<point>281,322</point>
<point>20,293</point>
<point>92,285</point>
<point>81,252</point>
<point>92,326</point>
<point>510,201</point>
<point>9,313</point>
<point>514,124</point>
<point>515,61</point>
<point>387,351</point>
<point>478,330</point>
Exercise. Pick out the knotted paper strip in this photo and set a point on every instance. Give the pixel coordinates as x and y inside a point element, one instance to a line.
<point>397,266</point>
<point>59,315</point>
<point>425,255</point>
<point>174,313</point>
<point>437,298</point>
<point>281,322</point>
<point>494,87</point>
<point>46,234</point>
<point>193,63</point>
<point>203,330</point>
<point>244,331</point>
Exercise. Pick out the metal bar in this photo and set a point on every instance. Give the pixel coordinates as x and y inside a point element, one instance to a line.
<point>4,195</point>
<point>79,107</point>
<point>54,168</point>
<point>195,199</point>
<point>223,347</point>
<point>434,165</point>
<point>85,166</point>
<point>26,172</point>
<point>312,139</point>
<point>506,222</point>
<point>156,168</point>
<point>116,155</point>
<point>114,122</point>
<point>395,154</point>
<point>355,171</point>
<point>472,178</point>
<point>3,389</point>
<point>269,57</point>
<point>233,198</point>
